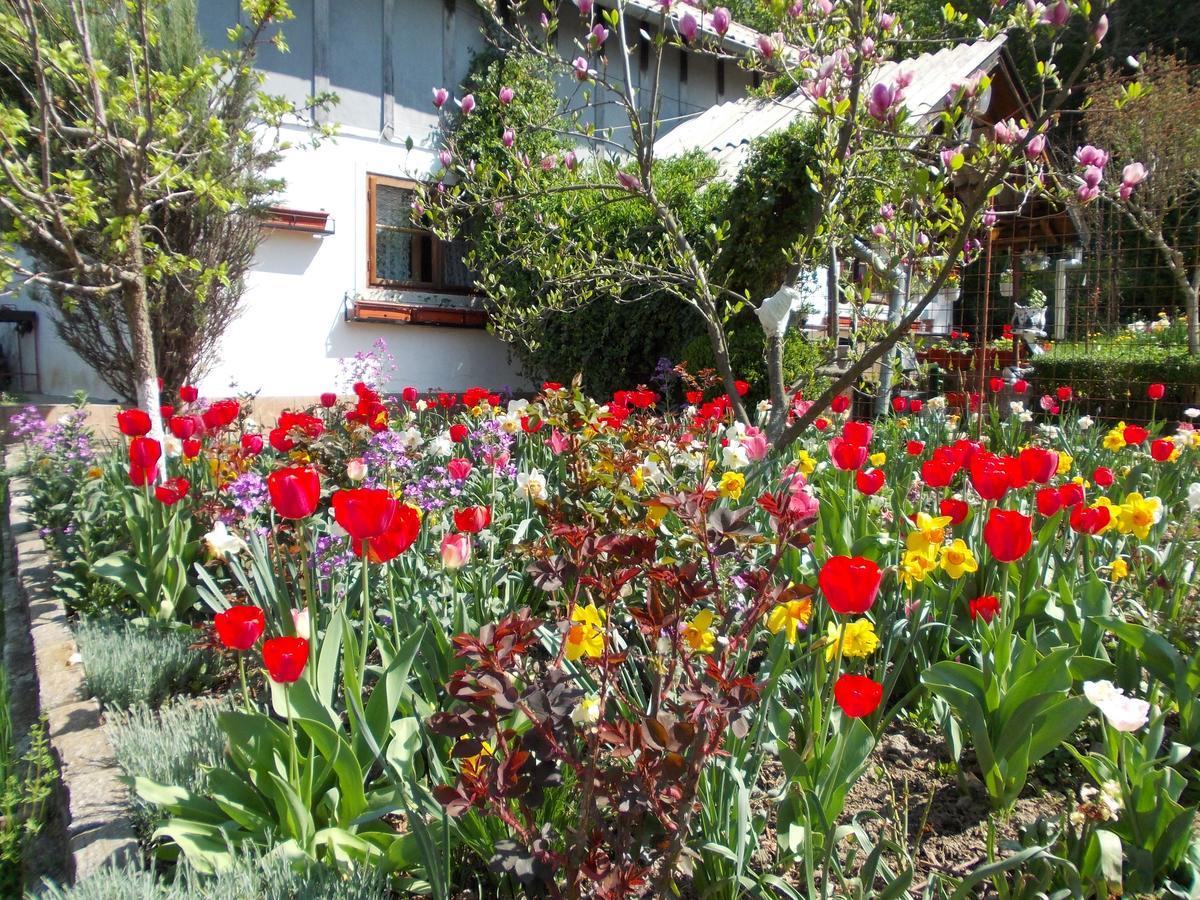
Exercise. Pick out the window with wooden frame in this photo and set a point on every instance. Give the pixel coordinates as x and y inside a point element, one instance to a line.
<point>403,255</point>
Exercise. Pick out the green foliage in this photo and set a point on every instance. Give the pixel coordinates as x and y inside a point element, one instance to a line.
<point>26,781</point>
<point>1110,375</point>
<point>802,356</point>
<point>175,744</point>
<point>125,664</point>
<point>265,876</point>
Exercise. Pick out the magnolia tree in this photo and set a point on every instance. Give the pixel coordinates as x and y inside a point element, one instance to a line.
<point>832,56</point>
<point>92,152</point>
<point>1147,129</point>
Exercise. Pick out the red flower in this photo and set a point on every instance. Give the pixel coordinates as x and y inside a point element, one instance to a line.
<point>915,448</point>
<point>329,399</point>
<point>840,403</point>
<point>459,432</point>
<point>239,627</point>
<point>1071,493</point>
<point>991,475</point>
<point>144,452</point>
<point>742,387</point>
<point>172,491</point>
<point>858,433</point>
<point>551,386</point>
<point>869,483</point>
<point>939,471</point>
<point>1020,386</point>
<point>191,448</point>
<point>1089,519</point>
<point>410,395</point>
<point>821,423</point>
<point>165,411</point>
<point>1008,534</point>
<point>473,519</point>
<point>252,444</point>
<point>400,534</point>
<point>363,512</point>
<point>956,509</point>
<point>695,398</point>
<point>916,405</point>
<point>1161,450</point>
<point>1156,391</point>
<point>474,396</point>
<point>189,394</point>
<point>285,658</point>
<point>294,491</point>
<point>1038,464</point>
<point>220,413</point>
<point>445,401</point>
<point>459,469</point>
<point>140,477</point>
<point>1064,393</point>
<point>846,455</point>
<point>528,427</point>
<point>995,385</point>
<point>1135,434</point>
<point>1049,501</point>
<point>857,695</point>
<point>1103,476</point>
<point>184,427</point>
<point>133,422</point>
<point>984,607</point>
<point>850,584</point>
<point>899,404</point>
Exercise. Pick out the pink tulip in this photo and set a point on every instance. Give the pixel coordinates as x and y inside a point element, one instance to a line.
<point>456,550</point>
<point>558,442</point>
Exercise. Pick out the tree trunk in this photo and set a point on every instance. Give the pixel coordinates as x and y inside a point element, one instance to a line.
<point>141,339</point>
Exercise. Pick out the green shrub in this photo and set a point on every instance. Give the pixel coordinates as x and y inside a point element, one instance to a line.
<point>265,877</point>
<point>802,356</point>
<point>172,745</point>
<point>125,664</point>
<point>1110,376</point>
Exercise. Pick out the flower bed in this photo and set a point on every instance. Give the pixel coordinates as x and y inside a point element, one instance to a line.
<point>477,646</point>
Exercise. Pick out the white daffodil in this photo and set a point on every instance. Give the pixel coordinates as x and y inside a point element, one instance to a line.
<point>532,484</point>
<point>221,542</point>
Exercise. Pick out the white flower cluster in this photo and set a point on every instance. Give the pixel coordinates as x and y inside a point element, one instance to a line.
<point>1123,713</point>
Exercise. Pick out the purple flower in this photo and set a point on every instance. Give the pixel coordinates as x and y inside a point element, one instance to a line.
<point>881,102</point>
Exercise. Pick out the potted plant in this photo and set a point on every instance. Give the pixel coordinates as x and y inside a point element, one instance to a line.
<point>962,353</point>
<point>999,353</point>
<point>1029,316</point>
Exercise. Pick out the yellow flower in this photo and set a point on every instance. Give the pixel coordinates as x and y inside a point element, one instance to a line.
<point>1119,569</point>
<point>586,636</point>
<point>957,559</point>
<point>856,638</point>
<point>1113,512</point>
<point>698,633</point>
<point>655,513</point>
<point>1065,461</point>
<point>878,459</point>
<point>1115,439</point>
<point>902,422</point>
<point>473,765</point>
<point>732,484</point>
<point>790,616</point>
<point>95,472</point>
<point>805,463</point>
<point>916,565</point>
<point>1137,514</point>
<point>637,478</point>
<point>931,531</point>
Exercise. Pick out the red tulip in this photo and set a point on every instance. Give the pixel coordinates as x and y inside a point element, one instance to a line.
<point>459,469</point>
<point>695,398</point>
<point>189,394</point>
<point>294,491</point>
<point>191,448</point>
<point>821,423</point>
<point>458,433</point>
<point>184,427</point>
<point>869,483</point>
<point>938,472</point>
<point>363,512</point>
<point>400,534</point>
<point>473,519</point>
<point>409,395</point>
<point>1049,501</point>
<point>239,627</point>
<point>858,433</point>
<point>133,422</point>
<point>1161,450</point>
<point>252,444</point>
<point>172,491</point>
<point>1064,393</point>
<point>1135,434</point>
<point>857,695</point>
<point>220,413</point>
<point>915,448</point>
<point>1008,534</point>
<point>916,405</point>
<point>840,403</point>
<point>850,584</point>
<point>1020,386</point>
<point>1156,391</point>
<point>165,411</point>
<point>991,475</point>
<point>956,509</point>
<point>1071,493</point>
<point>995,385</point>
<point>847,456</point>
<point>144,452</point>
<point>899,404</point>
<point>140,477</point>
<point>285,658</point>
<point>742,388</point>
<point>445,401</point>
<point>1038,464</point>
<point>329,399</point>
<point>1103,476</point>
<point>984,607</point>
<point>1089,519</point>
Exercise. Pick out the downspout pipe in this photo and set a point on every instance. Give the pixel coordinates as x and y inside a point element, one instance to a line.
<point>1061,268</point>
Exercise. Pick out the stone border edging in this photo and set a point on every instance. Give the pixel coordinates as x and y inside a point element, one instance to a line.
<point>94,801</point>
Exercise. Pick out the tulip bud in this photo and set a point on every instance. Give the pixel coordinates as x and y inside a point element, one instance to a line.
<point>356,470</point>
<point>456,550</point>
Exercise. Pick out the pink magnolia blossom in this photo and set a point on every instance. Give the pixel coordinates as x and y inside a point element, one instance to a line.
<point>508,138</point>
<point>766,46</point>
<point>570,160</point>
<point>1099,30</point>
<point>1092,176</point>
<point>721,20</point>
<point>881,102</point>
<point>506,95</point>
<point>1091,156</point>
<point>688,27</point>
<point>445,159</point>
<point>580,66</point>
<point>549,162</point>
<point>585,7</point>
<point>886,21</point>
<point>1133,174</point>
<point>1057,15</point>
<point>1088,193</point>
<point>466,104</point>
<point>627,181</point>
<point>825,7</point>
<point>1036,146</point>
<point>597,36</point>
<point>440,96</point>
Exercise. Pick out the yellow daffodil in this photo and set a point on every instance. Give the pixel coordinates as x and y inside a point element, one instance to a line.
<point>857,639</point>
<point>931,531</point>
<point>790,617</point>
<point>878,459</point>
<point>1115,439</point>
<point>637,478</point>
<point>916,565</point>
<point>1138,514</point>
<point>1065,461</point>
<point>586,636</point>
<point>1118,569</point>
<point>805,463</point>
<point>698,633</point>
<point>732,484</point>
<point>957,559</point>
